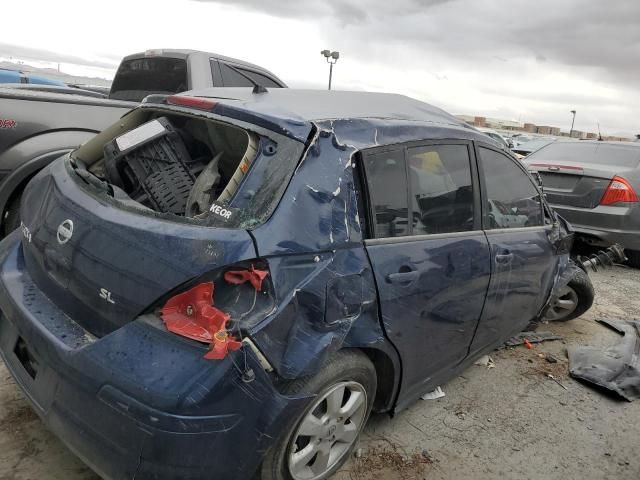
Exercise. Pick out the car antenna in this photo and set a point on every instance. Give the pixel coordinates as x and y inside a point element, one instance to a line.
<point>257,88</point>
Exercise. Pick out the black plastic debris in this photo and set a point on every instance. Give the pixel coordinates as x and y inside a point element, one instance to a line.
<point>532,337</point>
<point>617,368</point>
<point>150,164</point>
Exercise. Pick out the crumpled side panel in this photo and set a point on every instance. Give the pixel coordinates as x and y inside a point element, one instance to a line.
<point>323,305</point>
<point>324,287</point>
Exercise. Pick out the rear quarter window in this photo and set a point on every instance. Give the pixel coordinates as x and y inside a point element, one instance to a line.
<point>237,77</point>
<point>387,185</point>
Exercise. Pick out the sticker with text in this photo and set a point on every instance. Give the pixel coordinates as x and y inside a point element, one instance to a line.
<point>223,212</point>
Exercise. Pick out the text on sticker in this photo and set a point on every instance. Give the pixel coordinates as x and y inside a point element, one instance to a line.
<point>221,211</point>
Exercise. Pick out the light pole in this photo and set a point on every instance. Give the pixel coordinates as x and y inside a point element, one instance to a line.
<point>332,58</point>
<point>572,122</point>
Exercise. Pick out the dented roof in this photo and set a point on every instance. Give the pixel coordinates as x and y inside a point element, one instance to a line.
<point>315,105</point>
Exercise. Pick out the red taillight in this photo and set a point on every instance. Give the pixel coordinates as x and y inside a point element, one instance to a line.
<point>619,190</point>
<point>192,315</point>
<point>194,102</point>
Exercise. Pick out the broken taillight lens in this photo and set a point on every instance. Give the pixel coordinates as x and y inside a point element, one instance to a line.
<point>253,275</point>
<point>619,190</point>
<point>200,103</point>
<point>191,314</point>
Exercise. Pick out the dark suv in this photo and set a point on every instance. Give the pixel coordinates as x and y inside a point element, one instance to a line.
<point>226,283</point>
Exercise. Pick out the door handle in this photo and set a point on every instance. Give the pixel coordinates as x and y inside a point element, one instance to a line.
<point>403,277</point>
<point>503,258</point>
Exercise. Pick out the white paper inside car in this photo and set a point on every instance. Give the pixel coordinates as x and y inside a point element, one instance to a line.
<point>139,135</point>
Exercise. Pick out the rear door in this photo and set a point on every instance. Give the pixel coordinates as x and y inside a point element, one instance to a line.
<point>523,262</point>
<point>429,255</point>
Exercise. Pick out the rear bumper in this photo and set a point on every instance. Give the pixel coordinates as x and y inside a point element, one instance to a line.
<point>605,225</point>
<point>138,402</point>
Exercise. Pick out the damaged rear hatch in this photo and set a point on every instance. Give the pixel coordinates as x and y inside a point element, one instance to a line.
<point>150,206</point>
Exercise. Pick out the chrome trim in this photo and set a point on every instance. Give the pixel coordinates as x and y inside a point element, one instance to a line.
<point>519,229</point>
<point>418,238</point>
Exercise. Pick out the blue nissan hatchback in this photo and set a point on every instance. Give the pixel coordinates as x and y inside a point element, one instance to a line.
<point>225,283</point>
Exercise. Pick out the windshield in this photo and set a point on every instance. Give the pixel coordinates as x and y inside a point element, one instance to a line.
<point>627,156</point>
<point>139,77</point>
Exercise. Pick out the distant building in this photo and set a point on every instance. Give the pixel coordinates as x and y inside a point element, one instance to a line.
<point>545,130</point>
<point>578,134</point>
<point>615,138</point>
<point>500,124</point>
<point>485,122</point>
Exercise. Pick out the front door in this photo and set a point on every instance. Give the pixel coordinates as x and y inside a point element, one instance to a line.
<point>429,256</point>
<point>523,260</point>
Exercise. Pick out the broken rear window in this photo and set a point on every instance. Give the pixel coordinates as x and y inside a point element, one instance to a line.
<point>182,166</point>
<point>140,77</point>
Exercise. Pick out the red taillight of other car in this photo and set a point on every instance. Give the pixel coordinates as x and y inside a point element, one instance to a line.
<point>619,190</point>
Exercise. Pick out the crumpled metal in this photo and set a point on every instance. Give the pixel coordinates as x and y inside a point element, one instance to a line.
<point>616,368</point>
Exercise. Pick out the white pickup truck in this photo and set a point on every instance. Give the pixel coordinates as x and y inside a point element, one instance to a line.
<point>39,123</point>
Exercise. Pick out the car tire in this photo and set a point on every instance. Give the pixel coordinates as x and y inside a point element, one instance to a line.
<point>11,219</point>
<point>346,379</point>
<point>633,258</point>
<point>578,291</point>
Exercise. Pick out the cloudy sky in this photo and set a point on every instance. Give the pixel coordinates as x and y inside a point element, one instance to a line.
<point>519,59</point>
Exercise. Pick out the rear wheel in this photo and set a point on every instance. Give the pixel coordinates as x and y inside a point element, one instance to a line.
<point>318,442</point>
<point>633,258</point>
<point>573,300</point>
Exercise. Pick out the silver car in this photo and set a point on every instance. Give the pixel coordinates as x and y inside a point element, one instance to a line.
<point>594,186</point>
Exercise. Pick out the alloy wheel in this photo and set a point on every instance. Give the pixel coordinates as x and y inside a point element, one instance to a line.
<point>327,431</point>
<point>564,306</point>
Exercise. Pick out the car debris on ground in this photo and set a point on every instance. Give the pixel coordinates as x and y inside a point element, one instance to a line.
<point>485,361</point>
<point>531,337</point>
<point>433,395</point>
<point>615,369</point>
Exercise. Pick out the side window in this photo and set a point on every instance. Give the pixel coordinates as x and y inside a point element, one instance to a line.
<point>387,184</point>
<point>215,73</point>
<point>512,200</point>
<point>261,79</point>
<point>441,189</point>
<point>231,78</point>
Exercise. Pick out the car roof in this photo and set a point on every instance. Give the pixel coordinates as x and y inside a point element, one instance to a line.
<point>317,105</point>
<point>599,142</point>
